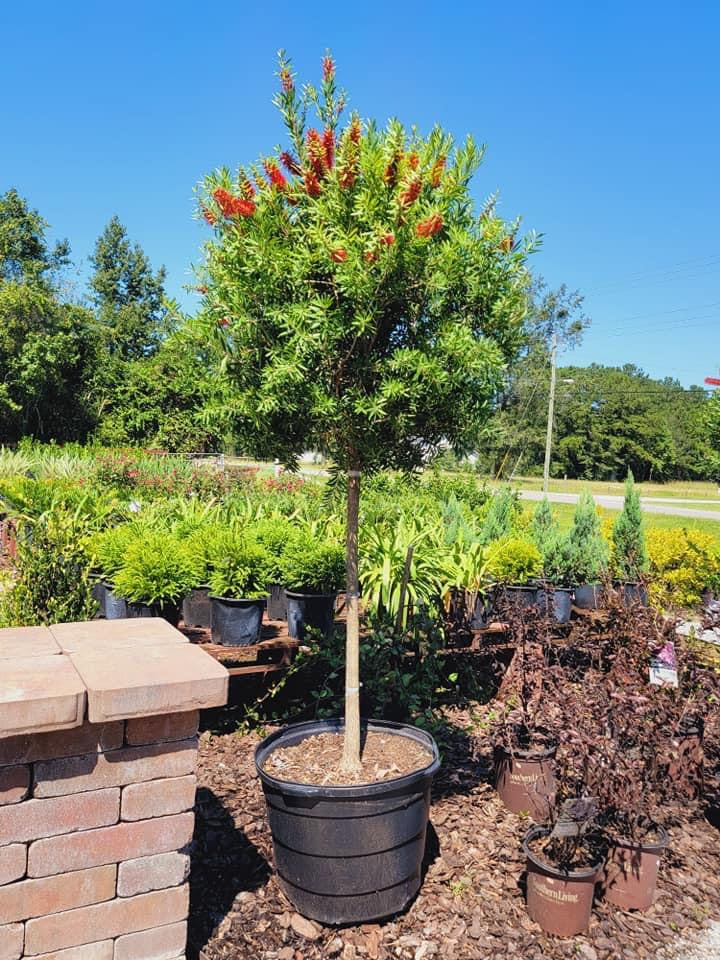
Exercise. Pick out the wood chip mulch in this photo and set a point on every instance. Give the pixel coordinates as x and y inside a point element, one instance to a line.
<point>471,904</point>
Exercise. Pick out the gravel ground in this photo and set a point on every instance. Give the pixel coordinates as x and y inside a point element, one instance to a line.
<point>704,946</point>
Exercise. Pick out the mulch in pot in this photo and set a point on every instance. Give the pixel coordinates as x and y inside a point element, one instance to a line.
<point>471,905</point>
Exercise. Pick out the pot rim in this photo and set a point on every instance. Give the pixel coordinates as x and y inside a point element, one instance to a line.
<point>320,596</point>
<point>588,873</point>
<point>355,791</point>
<point>536,756</point>
<point>237,601</point>
<point>656,846</point>
<point>529,587</point>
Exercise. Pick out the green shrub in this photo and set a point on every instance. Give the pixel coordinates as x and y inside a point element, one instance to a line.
<point>157,568</point>
<point>682,564</point>
<point>501,516</point>
<point>630,559</point>
<point>514,560</point>
<point>275,534</point>
<point>108,548</point>
<point>310,565</point>
<point>238,566</point>
<point>589,550</point>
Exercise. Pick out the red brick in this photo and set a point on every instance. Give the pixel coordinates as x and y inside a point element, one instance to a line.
<point>126,841</point>
<point>152,873</point>
<point>35,819</point>
<point>14,784</point>
<point>13,861</point>
<point>171,726</point>
<point>158,798</point>
<point>89,738</point>
<point>115,768</point>
<point>162,943</point>
<point>102,950</point>
<point>39,898</point>
<point>115,918</point>
<point>11,941</point>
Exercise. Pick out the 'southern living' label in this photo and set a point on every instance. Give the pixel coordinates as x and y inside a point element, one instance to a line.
<point>559,896</point>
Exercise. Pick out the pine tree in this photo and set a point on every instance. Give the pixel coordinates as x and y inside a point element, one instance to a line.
<point>629,548</point>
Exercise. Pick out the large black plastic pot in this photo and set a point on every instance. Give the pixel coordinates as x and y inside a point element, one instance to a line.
<point>197,608</point>
<point>519,595</point>
<point>116,608</point>
<point>588,596</point>
<point>305,610</point>
<point>168,611</point>
<point>348,854</point>
<point>236,623</point>
<point>277,602</point>
<point>633,592</point>
<point>99,591</point>
<point>556,602</point>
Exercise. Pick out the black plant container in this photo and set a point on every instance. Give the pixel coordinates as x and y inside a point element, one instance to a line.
<point>116,607</point>
<point>236,623</point>
<point>556,602</point>
<point>197,608</point>
<point>168,611</point>
<point>589,596</point>
<point>348,854</point>
<point>316,610</point>
<point>277,602</point>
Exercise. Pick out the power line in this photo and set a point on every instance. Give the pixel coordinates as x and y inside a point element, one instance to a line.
<point>666,273</point>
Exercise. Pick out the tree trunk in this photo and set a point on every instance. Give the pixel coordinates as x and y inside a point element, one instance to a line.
<point>351,753</point>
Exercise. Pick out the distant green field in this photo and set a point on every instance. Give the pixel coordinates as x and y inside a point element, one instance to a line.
<point>653,521</point>
<point>685,490</point>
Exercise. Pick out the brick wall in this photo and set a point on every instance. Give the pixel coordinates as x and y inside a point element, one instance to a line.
<point>96,823</point>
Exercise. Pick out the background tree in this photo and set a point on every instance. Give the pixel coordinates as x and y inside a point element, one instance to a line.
<point>46,345</point>
<point>127,295</point>
<point>365,311</point>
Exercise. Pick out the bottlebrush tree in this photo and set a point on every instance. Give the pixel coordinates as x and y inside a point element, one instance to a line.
<point>365,310</point>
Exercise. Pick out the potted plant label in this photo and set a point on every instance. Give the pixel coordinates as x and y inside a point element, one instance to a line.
<point>238,588</point>
<point>312,571</point>
<point>348,285</point>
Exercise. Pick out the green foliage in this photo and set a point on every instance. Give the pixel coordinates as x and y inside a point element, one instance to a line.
<point>109,548</point>
<point>514,560</point>
<point>274,534</point>
<point>310,565</point>
<point>157,568</point>
<point>365,311</point>
<point>683,563</point>
<point>24,254</point>
<point>628,537</point>
<point>543,523</point>
<point>238,568</point>
<point>588,548</point>
<point>502,514</point>
<point>555,547</point>
<point>52,580</point>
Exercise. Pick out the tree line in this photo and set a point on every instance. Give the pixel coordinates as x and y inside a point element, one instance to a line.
<point>121,364</point>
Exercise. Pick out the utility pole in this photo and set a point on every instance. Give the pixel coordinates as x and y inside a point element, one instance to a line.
<point>551,411</point>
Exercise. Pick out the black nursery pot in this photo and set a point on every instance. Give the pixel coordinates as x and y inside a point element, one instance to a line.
<point>588,596</point>
<point>197,608</point>
<point>305,610</point>
<point>99,592</point>
<point>348,854</point>
<point>520,596</point>
<point>277,604</point>
<point>556,602</point>
<point>115,608</point>
<point>168,611</point>
<point>633,592</point>
<point>236,623</point>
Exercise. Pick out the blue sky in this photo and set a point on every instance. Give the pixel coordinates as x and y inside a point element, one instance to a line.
<point>601,122</point>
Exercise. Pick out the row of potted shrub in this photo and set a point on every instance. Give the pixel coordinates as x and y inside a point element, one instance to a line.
<point>220,576</point>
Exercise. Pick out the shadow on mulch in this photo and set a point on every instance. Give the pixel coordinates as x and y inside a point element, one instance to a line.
<point>224,864</point>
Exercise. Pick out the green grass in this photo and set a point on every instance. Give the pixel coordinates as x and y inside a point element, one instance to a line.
<point>678,489</point>
<point>653,521</point>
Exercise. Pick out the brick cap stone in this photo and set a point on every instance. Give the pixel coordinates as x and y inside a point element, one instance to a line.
<point>38,694</point>
<point>165,678</point>
<point>22,642</point>
<point>103,634</point>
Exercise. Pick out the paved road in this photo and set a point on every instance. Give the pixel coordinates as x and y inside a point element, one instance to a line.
<point>612,502</point>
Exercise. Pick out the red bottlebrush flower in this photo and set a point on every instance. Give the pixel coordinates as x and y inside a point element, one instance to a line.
<point>328,140</point>
<point>290,163</point>
<point>312,184</point>
<point>437,171</point>
<point>388,239</point>
<point>233,206</point>
<point>411,192</point>
<point>316,153</point>
<point>203,290</point>
<point>277,178</point>
<point>339,255</point>
<point>431,226</point>
<point>244,208</point>
<point>506,244</point>
<point>259,182</point>
<point>370,256</point>
<point>328,68</point>
<point>355,131</point>
<point>209,216</point>
<point>286,79</point>
<point>247,189</point>
<point>391,171</point>
<point>347,177</point>
<point>413,161</point>
<point>224,322</point>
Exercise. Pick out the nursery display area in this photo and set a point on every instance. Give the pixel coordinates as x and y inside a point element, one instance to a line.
<point>473,629</point>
